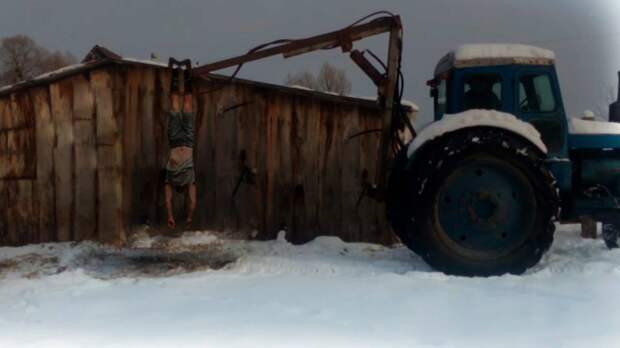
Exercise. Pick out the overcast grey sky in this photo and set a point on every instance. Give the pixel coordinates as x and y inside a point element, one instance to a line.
<point>585,34</point>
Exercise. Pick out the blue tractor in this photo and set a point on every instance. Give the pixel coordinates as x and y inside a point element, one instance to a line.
<point>479,190</point>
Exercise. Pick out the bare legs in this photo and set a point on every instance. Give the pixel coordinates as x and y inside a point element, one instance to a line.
<point>187,99</point>
<point>175,101</point>
<point>192,203</point>
<point>168,194</point>
<point>188,106</point>
<point>181,102</point>
<point>191,192</point>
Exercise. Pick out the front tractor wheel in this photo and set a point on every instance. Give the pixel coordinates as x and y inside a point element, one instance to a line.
<point>477,202</point>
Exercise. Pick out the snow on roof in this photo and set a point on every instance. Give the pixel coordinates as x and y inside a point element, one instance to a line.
<point>70,69</point>
<point>144,61</point>
<point>414,107</point>
<point>476,118</point>
<point>494,54</point>
<point>5,88</point>
<point>301,87</point>
<point>113,57</point>
<point>407,103</point>
<point>481,51</point>
<point>67,70</point>
<point>64,70</point>
<point>51,74</point>
<point>591,127</point>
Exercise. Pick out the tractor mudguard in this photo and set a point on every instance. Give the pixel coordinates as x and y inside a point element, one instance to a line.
<point>476,118</point>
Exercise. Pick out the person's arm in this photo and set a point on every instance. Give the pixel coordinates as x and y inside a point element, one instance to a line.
<point>168,196</point>
<point>192,203</point>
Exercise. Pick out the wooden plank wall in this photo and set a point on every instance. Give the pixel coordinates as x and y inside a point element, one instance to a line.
<point>308,177</point>
<point>83,158</point>
<point>60,162</point>
<point>17,154</point>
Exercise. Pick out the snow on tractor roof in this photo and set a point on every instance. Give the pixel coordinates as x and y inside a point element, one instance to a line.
<point>494,54</point>
<point>593,127</point>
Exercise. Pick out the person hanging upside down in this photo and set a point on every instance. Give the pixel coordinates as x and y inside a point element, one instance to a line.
<point>180,174</point>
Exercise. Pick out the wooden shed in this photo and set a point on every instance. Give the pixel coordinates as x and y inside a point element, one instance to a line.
<point>82,151</point>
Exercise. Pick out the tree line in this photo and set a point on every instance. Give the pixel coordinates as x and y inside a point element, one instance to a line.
<point>22,59</point>
<point>328,79</point>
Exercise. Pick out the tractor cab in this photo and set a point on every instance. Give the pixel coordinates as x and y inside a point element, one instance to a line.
<point>515,79</point>
<point>519,80</point>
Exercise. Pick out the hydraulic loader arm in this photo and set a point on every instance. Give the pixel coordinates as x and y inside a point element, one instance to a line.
<point>386,83</point>
<point>343,38</point>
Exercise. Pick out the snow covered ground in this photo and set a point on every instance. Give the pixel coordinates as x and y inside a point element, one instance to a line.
<point>323,294</point>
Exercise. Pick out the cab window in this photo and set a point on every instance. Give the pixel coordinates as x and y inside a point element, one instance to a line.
<point>536,94</point>
<point>441,98</point>
<point>482,91</point>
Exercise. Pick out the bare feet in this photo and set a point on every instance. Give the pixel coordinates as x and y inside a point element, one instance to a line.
<point>188,223</point>
<point>171,223</point>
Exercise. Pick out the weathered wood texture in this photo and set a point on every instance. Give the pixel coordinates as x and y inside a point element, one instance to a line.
<point>308,176</point>
<point>83,158</point>
<point>60,162</point>
<point>108,185</point>
<point>17,136</point>
<point>17,169</point>
<point>45,192</point>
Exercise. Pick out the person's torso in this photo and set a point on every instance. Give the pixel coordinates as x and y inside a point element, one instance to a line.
<point>179,155</point>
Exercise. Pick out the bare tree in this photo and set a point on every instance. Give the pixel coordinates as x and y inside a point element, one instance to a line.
<point>57,60</point>
<point>21,58</point>
<point>329,79</point>
<point>332,79</point>
<point>303,79</point>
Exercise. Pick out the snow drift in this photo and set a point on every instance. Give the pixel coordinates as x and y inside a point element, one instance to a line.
<point>322,294</point>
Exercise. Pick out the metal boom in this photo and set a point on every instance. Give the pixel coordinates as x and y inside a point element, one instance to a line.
<point>386,82</point>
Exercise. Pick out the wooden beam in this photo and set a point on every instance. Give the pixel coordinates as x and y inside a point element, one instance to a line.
<point>377,78</point>
<point>394,54</point>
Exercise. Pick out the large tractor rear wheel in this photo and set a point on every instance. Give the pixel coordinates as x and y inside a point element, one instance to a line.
<point>476,202</point>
